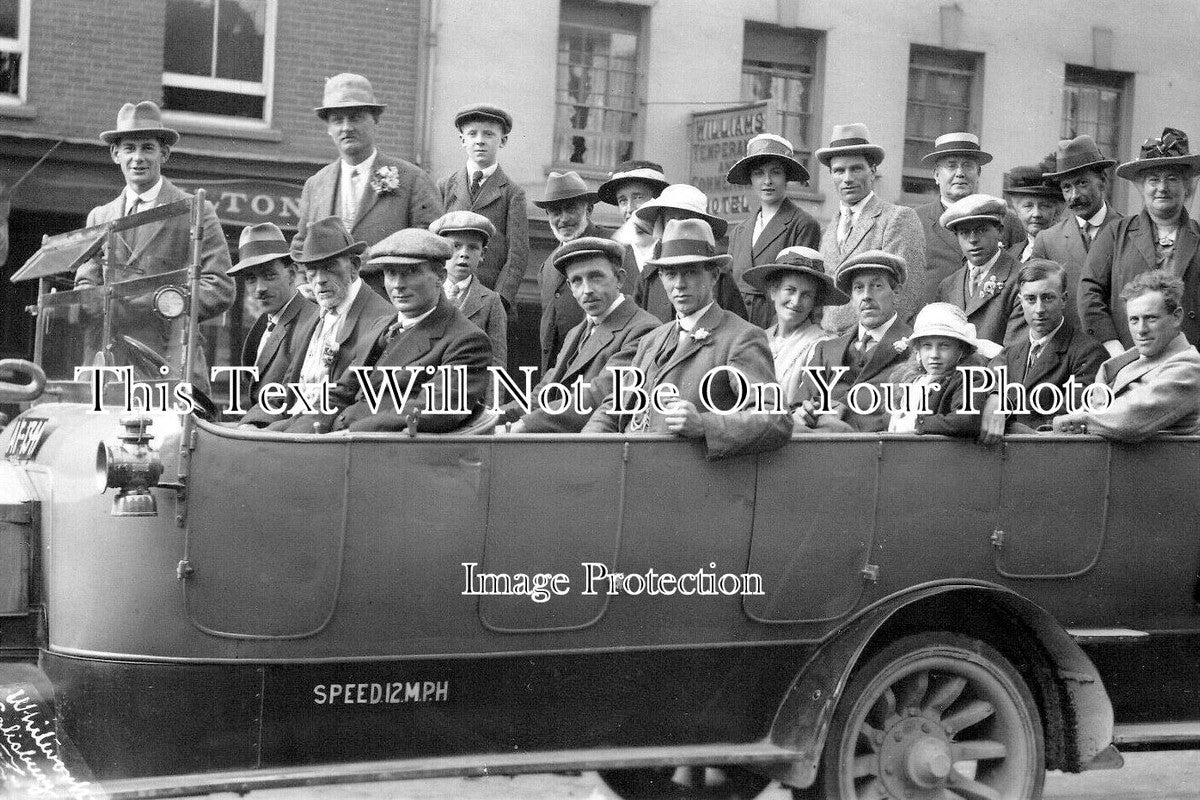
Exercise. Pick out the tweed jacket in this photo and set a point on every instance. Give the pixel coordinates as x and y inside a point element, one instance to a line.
<point>652,296</point>
<point>833,353</point>
<point>997,316</point>
<point>503,202</point>
<point>1069,353</point>
<point>415,204</point>
<point>1063,242</point>
<point>881,226</point>
<point>730,341</point>
<point>282,342</point>
<point>943,254</point>
<point>484,308</point>
<point>368,317</point>
<point>791,226</point>
<point>1122,251</point>
<point>1152,395</point>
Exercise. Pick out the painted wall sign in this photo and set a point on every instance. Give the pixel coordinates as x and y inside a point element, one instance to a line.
<point>251,201</point>
<point>718,139</point>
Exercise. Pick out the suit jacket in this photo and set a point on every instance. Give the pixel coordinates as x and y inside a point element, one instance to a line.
<point>368,317</point>
<point>503,202</point>
<point>1122,251</point>
<point>791,226</point>
<point>731,341</point>
<point>1017,250</point>
<point>997,317</point>
<point>1069,353</point>
<point>650,294</point>
<point>483,307</point>
<point>612,343</point>
<point>946,401</point>
<point>881,226</point>
<point>162,246</point>
<point>1063,242</point>
<point>943,255</point>
<point>1156,395</point>
<point>282,342</point>
<point>833,353</point>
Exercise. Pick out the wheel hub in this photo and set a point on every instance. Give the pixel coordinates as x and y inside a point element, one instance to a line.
<point>914,756</point>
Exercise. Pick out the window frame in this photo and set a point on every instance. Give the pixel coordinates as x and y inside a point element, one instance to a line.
<point>921,173</point>
<point>1081,76</point>
<point>229,85</point>
<point>19,45</point>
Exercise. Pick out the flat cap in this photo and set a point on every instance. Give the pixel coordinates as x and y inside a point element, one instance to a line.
<point>461,222</point>
<point>871,259</point>
<point>974,207</point>
<point>586,246</point>
<point>407,246</point>
<point>484,111</point>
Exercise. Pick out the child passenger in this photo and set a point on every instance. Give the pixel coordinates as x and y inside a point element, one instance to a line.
<point>942,341</point>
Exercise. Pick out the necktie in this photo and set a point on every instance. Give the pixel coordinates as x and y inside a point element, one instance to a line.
<point>669,346</point>
<point>456,295</point>
<point>843,231</point>
<point>476,182</point>
<point>976,279</point>
<point>1088,231</point>
<point>1034,352</point>
<point>350,201</point>
<point>262,340</point>
<point>863,347</point>
<point>133,207</point>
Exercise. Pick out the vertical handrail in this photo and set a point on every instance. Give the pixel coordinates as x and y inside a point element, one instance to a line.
<point>191,338</point>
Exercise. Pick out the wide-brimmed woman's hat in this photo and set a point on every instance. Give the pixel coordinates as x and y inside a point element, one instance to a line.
<point>850,140</point>
<point>564,186</point>
<point>767,147</point>
<point>348,90</point>
<point>259,244</point>
<point>682,197</point>
<point>143,119</point>
<point>688,241</point>
<point>646,172</point>
<point>322,240</point>
<point>1168,150</point>
<point>1030,181</point>
<point>1078,154</point>
<point>950,321</point>
<point>959,143</point>
<point>802,261</point>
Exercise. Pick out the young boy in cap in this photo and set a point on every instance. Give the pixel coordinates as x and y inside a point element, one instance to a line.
<point>629,187</point>
<point>768,166</point>
<point>482,187</point>
<point>469,235</point>
<point>986,286</point>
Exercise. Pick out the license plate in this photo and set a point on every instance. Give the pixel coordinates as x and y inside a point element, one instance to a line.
<point>27,436</point>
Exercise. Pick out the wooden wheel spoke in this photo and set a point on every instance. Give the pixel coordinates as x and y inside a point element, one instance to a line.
<point>970,714</point>
<point>969,789</point>
<point>868,735</point>
<point>946,694</point>
<point>875,790</point>
<point>983,750</point>
<point>914,691</point>
<point>885,706</point>
<point>865,766</point>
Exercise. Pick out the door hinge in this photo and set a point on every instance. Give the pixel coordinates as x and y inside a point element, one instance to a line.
<point>184,570</point>
<point>871,572</point>
<point>997,538</point>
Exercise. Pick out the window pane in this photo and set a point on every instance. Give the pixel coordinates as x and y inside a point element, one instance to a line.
<point>201,101</point>
<point>241,32</point>
<point>940,88</point>
<point>10,18</point>
<point>10,73</point>
<point>597,95</point>
<point>187,44</point>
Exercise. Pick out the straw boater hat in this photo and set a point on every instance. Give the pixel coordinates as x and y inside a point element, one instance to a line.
<point>646,172</point>
<point>767,147</point>
<point>973,207</point>
<point>849,140</point>
<point>584,247</point>
<point>564,186</point>
<point>324,239</point>
<point>950,321</point>
<point>143,119</point>
<point>1168,150</point>
<point>871,259</point>
<point>957,144</point>
<point>484,111</point>
<point>1078,154</point>
<point>1030,181</point>
<point>689,241</point>
<point>348,90</point>
<point>803,261</point>
<point>682,197</point>
<point>463,222</point>
<point>408,246</point>
<point>259,244</point>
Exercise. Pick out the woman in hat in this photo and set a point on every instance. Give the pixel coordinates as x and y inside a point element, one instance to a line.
<point>1162,236</point>
<point>798,289</point>
<point>942,340</point>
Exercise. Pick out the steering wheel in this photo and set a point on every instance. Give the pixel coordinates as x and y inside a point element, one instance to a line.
<point>147,355</point>
<point>205,408</point>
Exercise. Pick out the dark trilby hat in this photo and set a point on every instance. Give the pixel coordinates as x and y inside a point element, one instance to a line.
<point>1170,149</point>
<point>1028,181</point>
<point>408,246</point>
<point>959,143</point>
<point>849,140</point>
<point>688,241</point>
<point>463,221</point>
<point>767,147</point>
<point>324,239</point>
<point>143,119</point>
<point>586,246</point>
<point>259,244</point>
<point>564,186</point>
<point>871,259</point>
<point>484,111</point>
<point>803,261</point>
<point>348,90</point>
<point>974,207</point>
<point>1076,154</point>
<point>646,172</point>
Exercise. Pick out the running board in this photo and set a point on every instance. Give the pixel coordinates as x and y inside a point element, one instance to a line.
<point>1156,733</point>
<point>1094,635</point>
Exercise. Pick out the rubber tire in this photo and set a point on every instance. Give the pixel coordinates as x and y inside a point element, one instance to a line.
<point>649,783</point>
<point>873,675</point>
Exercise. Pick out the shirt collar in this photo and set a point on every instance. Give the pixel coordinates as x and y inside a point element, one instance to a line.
<point>597,320</point>
<point>274,318</point>
<point>857,208</point>
<point>878,333</point>
<point>365,168</point>
<point>464,284</point>
<point>408,323</point>
<point>148,197</point>
<point>1042,341</point>
<point>991,262</point>
<point>689,322</point>
<point>1096,219</point>
<point>343,307</point>
<point>488,172</point>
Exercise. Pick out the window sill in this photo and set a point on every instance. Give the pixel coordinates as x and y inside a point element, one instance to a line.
<point>222,130</point>
<point>18,111</point>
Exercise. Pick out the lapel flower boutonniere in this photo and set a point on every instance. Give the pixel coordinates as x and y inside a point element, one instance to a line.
<point>329,353</point>
<point>901,344</point>
<point>699,334</point>
<point>385,180</point>
<point>991,286</point>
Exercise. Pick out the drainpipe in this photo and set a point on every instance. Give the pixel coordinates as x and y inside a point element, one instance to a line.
<point>426,55</point>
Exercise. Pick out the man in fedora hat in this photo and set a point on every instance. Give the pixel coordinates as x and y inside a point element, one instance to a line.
<point>608,335</point>
<point>868,351</point>
<point>1162,236</point>
<point>1081,172</point>
<point>680,201</point>
<point>482,187</point>
<point>266,269</point>
<point>351,319</point>
<point>373,194</point>
<point>426,339</point>
<point>1036,200</point>
<point>986,285</point>
<point>868,222</point>
<point>630,186</point>
<point>956,159</point>
<point>702,338</point>
<point>140,146</point>
<point>768,166</point>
